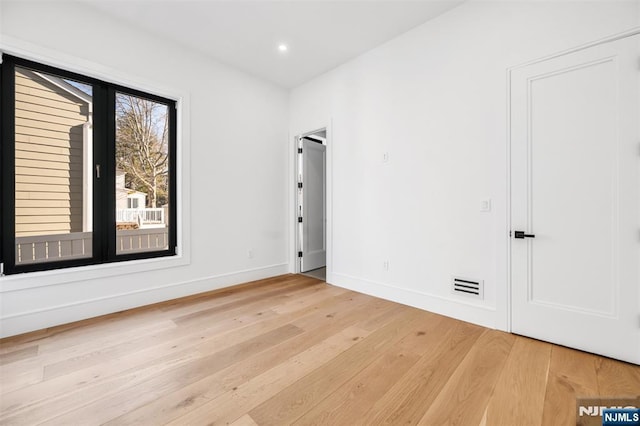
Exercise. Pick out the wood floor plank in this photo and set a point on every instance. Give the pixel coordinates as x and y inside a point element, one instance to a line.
<point>294,349</point>
<point>617,378</point>
<point>292,402</point>
<point>349,402</point>
<point>17,380</point>
<point>572,374</point>
<point>224,318</point>
<point>518,398</point>
<point>75,336</point>
<point>83,352</point>
<point>131,397</point>
<point>157,348</point>
<point>301,302</point>
<point>350,306</point>
<point>429,330</point>
<point>203,301</point>
<point>245,420</point>
<point>18,355</point>
<point>79,333</point>
<point>232,405</point>
<point>470,386</point>
<point>62,362</point>
<point>279,294</point>
<point>27,412</point>
<point>123,359</point>
<point>65,336</point>
<point>409,399</point>
<point>174,405</point>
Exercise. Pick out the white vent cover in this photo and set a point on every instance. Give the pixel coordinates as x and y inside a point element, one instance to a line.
<point>468,287</point>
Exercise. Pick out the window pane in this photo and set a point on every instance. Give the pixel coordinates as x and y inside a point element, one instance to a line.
<point>53,175</point>
<point>142,175</point>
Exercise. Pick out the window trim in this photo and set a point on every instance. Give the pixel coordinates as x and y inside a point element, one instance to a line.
<point>104,230</point>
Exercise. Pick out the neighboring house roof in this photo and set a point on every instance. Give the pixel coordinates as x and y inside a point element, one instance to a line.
<point>69,88</point>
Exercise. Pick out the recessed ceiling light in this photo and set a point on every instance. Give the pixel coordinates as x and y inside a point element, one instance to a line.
<point>283,47</point>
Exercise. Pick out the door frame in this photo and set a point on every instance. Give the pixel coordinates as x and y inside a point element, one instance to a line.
<point>507,301</point>
<point>293,220</point>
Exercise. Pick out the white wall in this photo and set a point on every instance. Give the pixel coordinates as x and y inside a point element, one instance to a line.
<point>233,141</point>
<point>435,99</point>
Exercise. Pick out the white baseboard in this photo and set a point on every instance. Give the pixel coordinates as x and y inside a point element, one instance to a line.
<point>450,307</point>
<point>27,321</point>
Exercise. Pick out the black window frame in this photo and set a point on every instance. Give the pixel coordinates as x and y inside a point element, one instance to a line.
<point>104,200</point>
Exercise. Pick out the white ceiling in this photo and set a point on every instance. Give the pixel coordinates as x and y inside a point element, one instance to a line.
<point>245,34</point>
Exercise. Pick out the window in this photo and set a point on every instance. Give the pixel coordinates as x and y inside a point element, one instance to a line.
<point>132,203</point>
<point>88,170</point>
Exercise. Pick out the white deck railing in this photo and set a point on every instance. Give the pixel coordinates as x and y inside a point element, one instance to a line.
<point>49,248</point>
<point>141,216</point>
<point>139,240</point>
<point>76,245</point>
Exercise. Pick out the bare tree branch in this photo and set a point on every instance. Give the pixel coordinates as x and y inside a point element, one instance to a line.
<point>141,145</point>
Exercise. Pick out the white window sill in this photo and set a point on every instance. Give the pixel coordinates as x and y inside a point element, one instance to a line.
<point>29,280</point>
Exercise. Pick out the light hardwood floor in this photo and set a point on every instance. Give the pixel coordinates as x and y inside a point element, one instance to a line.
<point>294,350</point>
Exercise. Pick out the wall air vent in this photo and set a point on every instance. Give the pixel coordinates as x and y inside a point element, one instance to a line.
<point>468,287</point>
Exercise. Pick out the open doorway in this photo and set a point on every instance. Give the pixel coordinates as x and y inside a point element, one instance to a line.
<point>311,234</point>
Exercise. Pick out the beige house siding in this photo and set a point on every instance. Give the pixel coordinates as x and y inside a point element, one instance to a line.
<point>49,156</point>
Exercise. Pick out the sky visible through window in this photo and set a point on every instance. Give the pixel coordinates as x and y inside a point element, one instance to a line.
<point>86,88</point>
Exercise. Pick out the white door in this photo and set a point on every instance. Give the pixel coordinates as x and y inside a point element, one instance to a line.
<point>575,151</point>
<point>314,250</point>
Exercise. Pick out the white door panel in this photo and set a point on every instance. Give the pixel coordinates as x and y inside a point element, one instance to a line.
<point>574,170</point>
<point>314,250</point>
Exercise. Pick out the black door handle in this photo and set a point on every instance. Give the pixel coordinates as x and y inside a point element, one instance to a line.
<point>521,234</point>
